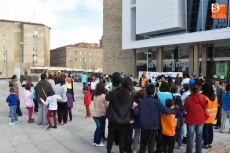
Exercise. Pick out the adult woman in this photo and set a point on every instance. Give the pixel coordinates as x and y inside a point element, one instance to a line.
<point>211,109</point>
<point>119,113</point>
<point>226,108</point>
<point>100,106</point>
<point>51,81</point>
<point>196,116</point>
<point>14,80</point>
<point>69,84</point>
<point>61,89</point>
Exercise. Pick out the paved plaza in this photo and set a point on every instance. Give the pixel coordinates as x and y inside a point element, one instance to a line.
<point>76,137</point>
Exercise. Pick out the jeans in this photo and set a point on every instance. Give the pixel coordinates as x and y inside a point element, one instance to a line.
<point>208,133</point>
<point>136,137</point>
<point>30,112</point>
<point>198,130</point>
<point>92,94</point>
<point>13,114</point>
<point>218,116</point>
<point>179,135</point>
<point>70,113</point>
<point>54,114</point>
<point>100,124</point>
<point>225,115</point>
<point>115,128</point>
<point>148,137</point>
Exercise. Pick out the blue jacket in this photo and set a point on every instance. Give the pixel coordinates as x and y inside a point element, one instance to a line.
<point>226,101</point>
<point>149,110</point>
<point>12,99</point>
<point>84,78</point>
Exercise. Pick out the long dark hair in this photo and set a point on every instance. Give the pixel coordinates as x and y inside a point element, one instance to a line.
<point>116,79</point>
<point>100,89</point>
<point>207,90</point>
<point>178,101</point>
<point>13,77</point>
<point>125,90</point>
<point>61,81</point>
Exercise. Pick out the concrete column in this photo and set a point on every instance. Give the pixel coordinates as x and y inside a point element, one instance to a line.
<point>159,59</point>
<point>196,59</point>
<point>204,60</point>
<point>191,57</point>
<point>135,74</point>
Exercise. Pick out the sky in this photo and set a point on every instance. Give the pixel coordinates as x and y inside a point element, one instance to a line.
<point>71,21</point>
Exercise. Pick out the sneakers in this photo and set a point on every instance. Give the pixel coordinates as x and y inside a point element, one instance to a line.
<point>94,144</point>
<point>31,121</point>
<point>206,146</point>
<point>11,123</point>
<point>49,127</point>
<point>210,145</point>
<point>100,145</point>
<point>179,147</point>
<point>217,127</point>
<point>55,126</point>
<point>16,121</point>
<point>65,123</point>
<point>104,139</point>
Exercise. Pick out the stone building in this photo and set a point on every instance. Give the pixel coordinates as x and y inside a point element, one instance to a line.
<point>115,59</point>
<point>31,39</point>
<point>87,57</point>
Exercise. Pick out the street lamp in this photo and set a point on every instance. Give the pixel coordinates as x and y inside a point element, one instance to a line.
<point>147,61</point>
<point>20,45</point>
<point>6,63</point>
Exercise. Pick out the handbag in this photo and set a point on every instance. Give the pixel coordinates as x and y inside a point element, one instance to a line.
<point>206,115</point>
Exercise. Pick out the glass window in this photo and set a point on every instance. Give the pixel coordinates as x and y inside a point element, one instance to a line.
<point>168,54</point>
<point>70,52</point>
<point>75,52</point>
<point>75,59</point>
<point>80,53</point>
<point>80,59</point>
<point>90,60</point>
<point>99,54</point>
<point>89,53</point>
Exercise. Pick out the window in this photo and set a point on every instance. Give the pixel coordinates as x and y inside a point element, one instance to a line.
<point>80,59</point>
<point>80,53</point>
<point>89,53</point>
<point>99,60</point>
<point>3,34</point>
<point>70,52</point>
<point>75,59</point>
<point>99,54</point>
<point>85,59</point>
<point>90,60</point>
<point>75,52</point>
<point>85,52</point>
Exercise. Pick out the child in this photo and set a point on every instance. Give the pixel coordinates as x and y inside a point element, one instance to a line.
<point>69,103</point>
<point>87,101</point>
<point>35,101</point>
<point>18,110</point>
<point>52,102</point>
<point>28,99</point>
<point>168,123</point>
<point>137,125</point>
<point>180,114</point>
<point>149,110</point>
<point>12,102</point>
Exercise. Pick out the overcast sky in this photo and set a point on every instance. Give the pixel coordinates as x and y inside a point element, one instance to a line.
<point>71,21</point>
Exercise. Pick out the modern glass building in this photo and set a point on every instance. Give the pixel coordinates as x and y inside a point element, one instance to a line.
<point>182,35</point>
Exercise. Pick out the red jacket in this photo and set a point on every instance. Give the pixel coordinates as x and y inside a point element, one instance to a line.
<point>195,107</point>
<point>87,98</point>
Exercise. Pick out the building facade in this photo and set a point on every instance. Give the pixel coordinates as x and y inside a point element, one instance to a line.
<point>84,57</point>
<point>32,40</point>
<point>180,36</point>
<point>115,59</point>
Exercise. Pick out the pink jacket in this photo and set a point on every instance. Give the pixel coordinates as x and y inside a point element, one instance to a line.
<point>28,98</point>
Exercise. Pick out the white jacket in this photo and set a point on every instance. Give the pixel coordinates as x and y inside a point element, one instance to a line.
<point>61,90</point>
<point>52,101</point>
